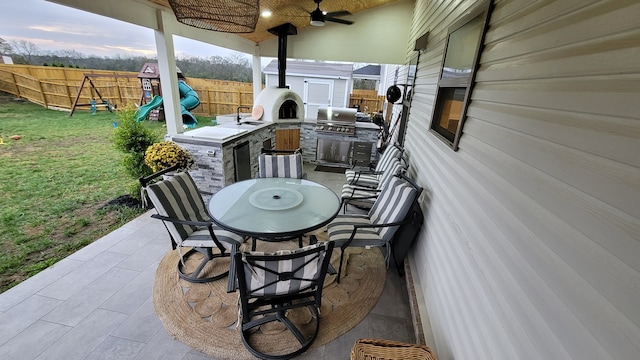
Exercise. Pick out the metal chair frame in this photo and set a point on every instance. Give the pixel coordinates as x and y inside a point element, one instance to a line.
<point>258,309</point>
<point>208,253</point>
<point>356,227</point>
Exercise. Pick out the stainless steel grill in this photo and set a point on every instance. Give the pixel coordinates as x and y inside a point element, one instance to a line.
<point>335,120</point>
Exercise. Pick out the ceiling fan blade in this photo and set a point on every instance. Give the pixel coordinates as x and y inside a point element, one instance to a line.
<point>338,13</point>
<point>340,21</point>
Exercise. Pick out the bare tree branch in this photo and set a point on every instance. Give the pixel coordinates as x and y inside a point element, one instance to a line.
<point>5,47</point>
<point>25,49</point>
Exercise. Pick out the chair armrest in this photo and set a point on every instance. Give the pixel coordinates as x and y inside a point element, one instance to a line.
<point>349,198</point>
<point>364,226</point>
<point>372,192</point>
<point>369,164</point>
<point>357,175</point>
<point>356,187</point>
<point>144,181</point>
<point>182,222</point>
<point>367,172</point>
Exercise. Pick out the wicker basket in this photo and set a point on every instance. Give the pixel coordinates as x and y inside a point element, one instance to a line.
<point>374,349</point>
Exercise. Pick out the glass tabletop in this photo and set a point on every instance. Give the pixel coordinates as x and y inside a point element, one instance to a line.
<point>273,207</point>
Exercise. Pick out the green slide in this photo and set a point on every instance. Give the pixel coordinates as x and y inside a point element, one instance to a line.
<point>144,110</point>
<point>189,100</point>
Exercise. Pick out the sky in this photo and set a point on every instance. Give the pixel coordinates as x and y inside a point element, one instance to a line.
<point>54,27</point>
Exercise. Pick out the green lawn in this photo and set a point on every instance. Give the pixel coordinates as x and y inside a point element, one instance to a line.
<point>55,183</point>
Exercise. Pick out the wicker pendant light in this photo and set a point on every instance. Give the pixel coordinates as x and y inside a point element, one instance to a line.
<point>232,16</point>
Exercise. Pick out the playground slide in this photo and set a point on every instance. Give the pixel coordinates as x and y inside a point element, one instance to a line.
<point>189,100</point>
<point>144,110</point>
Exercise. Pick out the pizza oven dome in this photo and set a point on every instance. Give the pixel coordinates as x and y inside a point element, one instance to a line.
<point>280,105</point>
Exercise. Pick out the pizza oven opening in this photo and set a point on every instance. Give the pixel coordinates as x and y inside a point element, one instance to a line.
<point>288,110</point>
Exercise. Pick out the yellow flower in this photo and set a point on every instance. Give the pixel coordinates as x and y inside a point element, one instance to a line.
<point>162,155</point>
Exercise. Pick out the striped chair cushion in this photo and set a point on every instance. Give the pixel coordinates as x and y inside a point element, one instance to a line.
<point>393,204</point>
<point>352,191</point>
<point>393,168</point>
<point>349,192</point>
<point>289,166</point>
<point>391,153</point>
<point>376,181</point>
<point>372,180</point>
<point>178,197</point>
<point>263,270</point>
<point>340,229</point>
<point>202,238</point>
<point>366,180</point>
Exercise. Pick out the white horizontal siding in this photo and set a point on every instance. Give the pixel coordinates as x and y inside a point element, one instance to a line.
<point>531,245</point>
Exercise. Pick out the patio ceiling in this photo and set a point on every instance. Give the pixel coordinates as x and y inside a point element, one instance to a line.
<point>379,34</point>
<point>297,13</point>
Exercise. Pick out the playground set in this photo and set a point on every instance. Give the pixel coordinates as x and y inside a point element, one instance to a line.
<point>150,104</point>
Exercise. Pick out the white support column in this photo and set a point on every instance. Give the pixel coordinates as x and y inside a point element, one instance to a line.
<point>168,73</point>
<point>257,73</point>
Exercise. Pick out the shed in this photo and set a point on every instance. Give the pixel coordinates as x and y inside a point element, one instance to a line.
<point>317,83</point>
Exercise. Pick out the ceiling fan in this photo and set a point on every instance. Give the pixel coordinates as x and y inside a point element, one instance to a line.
<point>318,17</point>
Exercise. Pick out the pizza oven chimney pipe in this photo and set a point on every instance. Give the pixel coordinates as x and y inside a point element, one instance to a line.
<point>282,31</point>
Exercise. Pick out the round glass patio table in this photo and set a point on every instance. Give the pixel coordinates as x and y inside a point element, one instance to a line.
<point>273,208</point>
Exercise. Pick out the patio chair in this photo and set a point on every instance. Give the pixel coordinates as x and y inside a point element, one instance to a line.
<point>377,228</point>
<point>372,164</point>
<point>370,178</point>
<point>273,288</point>
<point>180,207</point>
<point>281,163</point>
<point>363,197</point>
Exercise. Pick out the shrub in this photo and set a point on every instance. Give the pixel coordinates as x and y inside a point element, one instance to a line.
<point>132,138</point>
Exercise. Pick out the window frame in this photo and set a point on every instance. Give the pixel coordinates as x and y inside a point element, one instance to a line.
<point>445,85</point>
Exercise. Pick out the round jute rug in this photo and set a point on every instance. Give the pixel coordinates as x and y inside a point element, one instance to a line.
<point>204,316</point>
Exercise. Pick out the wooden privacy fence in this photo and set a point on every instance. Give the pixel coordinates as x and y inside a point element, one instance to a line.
<point>57,87</point>
<point>368,100</point>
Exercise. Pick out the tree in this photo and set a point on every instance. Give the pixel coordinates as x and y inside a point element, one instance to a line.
<point>364,84</point>
<point>5,47</point>
<point>25,49</point>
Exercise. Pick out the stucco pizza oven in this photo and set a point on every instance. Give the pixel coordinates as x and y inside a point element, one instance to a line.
<point>280,105</point>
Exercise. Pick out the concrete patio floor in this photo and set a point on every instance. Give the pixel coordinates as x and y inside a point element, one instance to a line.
<point>96,303</point>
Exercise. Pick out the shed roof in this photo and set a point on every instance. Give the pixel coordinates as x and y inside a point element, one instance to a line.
<point>369,70</point>
<point>312,68</point>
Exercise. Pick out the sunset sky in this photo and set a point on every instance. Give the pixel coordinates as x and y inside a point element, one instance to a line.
<point>54,27</point>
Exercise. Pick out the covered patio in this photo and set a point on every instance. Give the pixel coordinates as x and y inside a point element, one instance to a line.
<point>530,247</point>
<point>97,303</point>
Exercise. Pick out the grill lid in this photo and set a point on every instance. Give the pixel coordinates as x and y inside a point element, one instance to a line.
<point>337,115</point>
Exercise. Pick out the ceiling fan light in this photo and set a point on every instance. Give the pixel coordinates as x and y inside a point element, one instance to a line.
<point>317,18</point>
